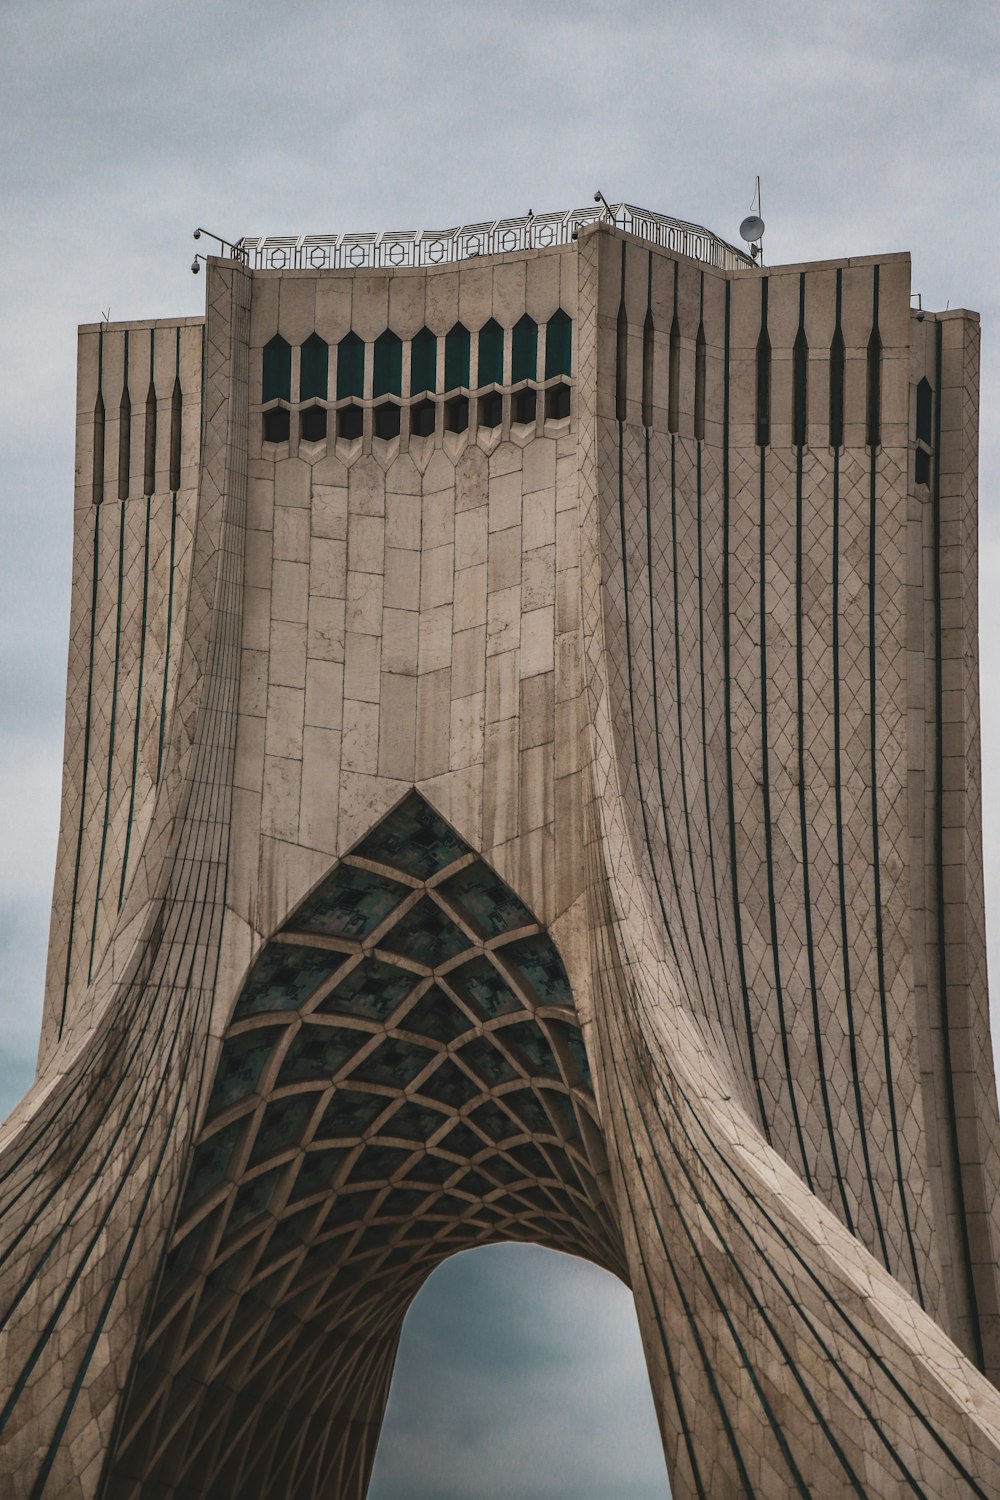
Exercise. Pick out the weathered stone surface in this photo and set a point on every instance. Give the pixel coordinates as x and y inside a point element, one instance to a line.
<point>544,826</point>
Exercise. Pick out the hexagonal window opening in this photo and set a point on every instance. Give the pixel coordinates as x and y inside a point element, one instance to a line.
<point>491,410</point>
<point>312,424</point>
<point>350,422</point>
<point>423,417</point>
<point>386,421</point>
<point>277,425</point>
<point>456,414</point>
<point>525,404</point>
<point>556,403</point>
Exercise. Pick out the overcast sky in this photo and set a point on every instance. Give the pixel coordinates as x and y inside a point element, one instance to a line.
<point>125,123</point>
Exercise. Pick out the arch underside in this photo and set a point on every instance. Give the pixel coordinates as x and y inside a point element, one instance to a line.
<point>403,1077</point>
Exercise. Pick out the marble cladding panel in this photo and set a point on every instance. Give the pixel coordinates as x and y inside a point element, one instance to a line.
<point>132,564</point>
<point>92,1157</point>
<point>956,1057</point>
<point>409,616</point>
<point>787,580</point>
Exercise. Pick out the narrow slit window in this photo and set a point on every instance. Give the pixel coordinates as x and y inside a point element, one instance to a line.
<point>621,364</point>
<point>314,369</point>
<point>149,446</point>
<point>558,345</point>
<point>837,362</point>
<point>350,367</point>
<point>524,350</point>
<point>763,389</point>
<point>423,363</point>
<point>647,370</point>
<point>176,407</point>
<point>457,358</point>
<point>387,376</point>
<point>925,411</point>
<point>490,354</point>
<point>800,376</point>
<point>700,352</point>
<point>925,430</point>
<point>98,475</point>
<point>277,372</point>
<point>674,377</point>
<point>124,441</point>
<point>874,389</point>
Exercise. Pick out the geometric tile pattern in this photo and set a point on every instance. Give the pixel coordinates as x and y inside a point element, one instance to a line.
<point>403,1077</point>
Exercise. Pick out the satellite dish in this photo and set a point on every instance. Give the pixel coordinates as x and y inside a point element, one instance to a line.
<point>752,228</point>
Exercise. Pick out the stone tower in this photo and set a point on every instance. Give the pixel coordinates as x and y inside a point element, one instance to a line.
<point>522,782</point>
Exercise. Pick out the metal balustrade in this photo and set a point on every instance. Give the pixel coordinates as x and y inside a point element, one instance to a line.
<point>393,249</point>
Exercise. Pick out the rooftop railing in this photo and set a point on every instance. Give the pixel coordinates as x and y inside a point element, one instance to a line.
<point>397,248</point>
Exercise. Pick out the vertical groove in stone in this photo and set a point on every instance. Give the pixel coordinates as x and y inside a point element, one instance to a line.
<point>176,404</point>
<point>647,371</point>
<point>674,366</point>
<point>700,353</point>
<point>621,353</point>
<point>124,432</point>
<point>647,353</point>
<point>98,474</point>
<point>873,405</point>
<point>149,452</point>
<point>837,369</point>
<point>763,373</point>
<point>800,374</point>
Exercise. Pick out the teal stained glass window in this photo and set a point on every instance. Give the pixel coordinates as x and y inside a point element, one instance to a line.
<point>314,369</point>
<point>524,354</point>
<point>558,345</point>
<point>388,374</point>
<point>491,353</point>
<point>277,381</point>
<point>350,367</point>
<point>457,355</point>
<point>423,363</point>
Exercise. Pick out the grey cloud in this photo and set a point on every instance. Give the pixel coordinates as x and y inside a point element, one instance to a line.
<point>493,1399</point>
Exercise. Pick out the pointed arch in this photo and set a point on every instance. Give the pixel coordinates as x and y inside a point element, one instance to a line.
<point>403,1076</point>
